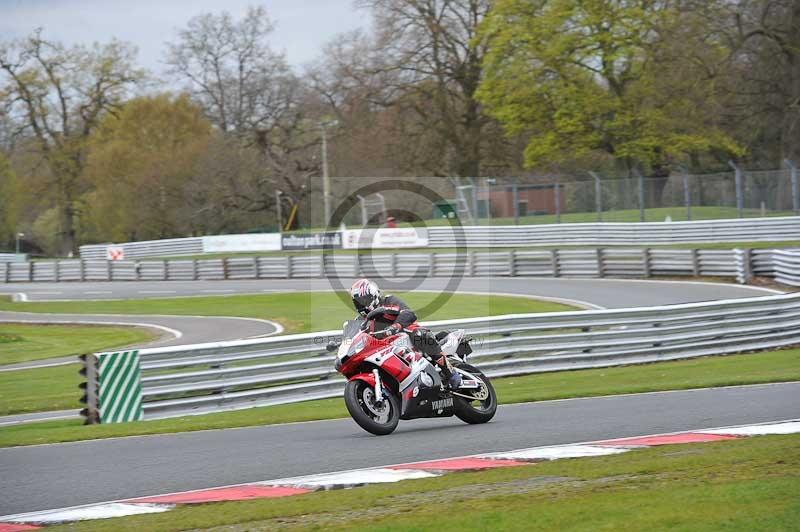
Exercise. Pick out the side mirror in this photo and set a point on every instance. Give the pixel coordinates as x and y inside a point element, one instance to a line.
<point>331,347</point>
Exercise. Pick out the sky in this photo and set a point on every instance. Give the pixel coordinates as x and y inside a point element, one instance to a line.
<point>302,26</point>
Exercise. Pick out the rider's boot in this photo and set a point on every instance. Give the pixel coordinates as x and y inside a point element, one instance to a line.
<point>452,378</point>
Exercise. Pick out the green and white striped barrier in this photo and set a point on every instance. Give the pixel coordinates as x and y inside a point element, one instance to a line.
<point>113,387</point>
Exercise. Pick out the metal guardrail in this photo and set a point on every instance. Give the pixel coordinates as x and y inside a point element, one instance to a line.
<point>609,234</point>
<point>591,234</point>
<point>786,267</point>
<point>205,378</point>
<point>601,262</point>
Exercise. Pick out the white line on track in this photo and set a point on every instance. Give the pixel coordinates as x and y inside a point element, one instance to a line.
<point>217,291</point>
<point>157,291</point>
<point>99,292</point>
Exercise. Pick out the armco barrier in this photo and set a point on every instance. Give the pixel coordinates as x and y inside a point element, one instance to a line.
<point>601,262</point>
<point>610,234</point>
<point>590,234</point>
<point>786,267</point>
<point>196,379</point>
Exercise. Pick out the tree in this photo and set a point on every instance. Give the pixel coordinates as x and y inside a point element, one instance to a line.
<point>141,161</point>
<point>424,59</point>
<point>763,39</point>
<point>249,92</point>
<point>587,77</point>
<point>57,97</point>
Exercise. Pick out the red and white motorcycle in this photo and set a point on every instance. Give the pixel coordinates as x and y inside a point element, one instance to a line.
<point>389,380</point>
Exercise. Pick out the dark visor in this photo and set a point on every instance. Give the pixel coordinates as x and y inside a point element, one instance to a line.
<point>363,301</point>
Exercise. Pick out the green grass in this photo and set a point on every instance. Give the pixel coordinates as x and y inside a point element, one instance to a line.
<point>775,366</point>
<point>297,312</point>
<point>39,390</point>
<point>744,484</point>
<point>41,341</point>
<point>678,214</point>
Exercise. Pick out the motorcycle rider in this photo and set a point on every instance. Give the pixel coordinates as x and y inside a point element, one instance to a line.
<point>398,316</point>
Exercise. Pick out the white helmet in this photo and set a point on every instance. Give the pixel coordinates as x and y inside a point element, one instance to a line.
<point>366,296</point>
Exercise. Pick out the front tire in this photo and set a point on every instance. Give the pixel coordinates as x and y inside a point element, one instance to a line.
<point>379,419</point>
<point>476,412</point>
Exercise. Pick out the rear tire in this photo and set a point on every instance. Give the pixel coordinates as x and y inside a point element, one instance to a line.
<point>359,400</point>
<point>476,412</point>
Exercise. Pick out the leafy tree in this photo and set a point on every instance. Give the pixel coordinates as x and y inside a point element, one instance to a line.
<point>141,161</point>
<point>582,77</point>
<point>56,96</point>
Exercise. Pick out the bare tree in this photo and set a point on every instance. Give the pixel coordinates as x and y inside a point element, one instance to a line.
<point>424,58</point>
<point>57,95</point>
<point>248,91</point>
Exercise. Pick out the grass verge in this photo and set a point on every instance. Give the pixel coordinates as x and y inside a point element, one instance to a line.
<point>297,312</point>
<point>42,341</point>
<point>744,484</point>
<point>774,366</point>
<point>40,389</point>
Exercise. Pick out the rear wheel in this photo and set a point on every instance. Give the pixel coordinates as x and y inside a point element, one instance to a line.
<point>379,418</point>
<point>479,410</point>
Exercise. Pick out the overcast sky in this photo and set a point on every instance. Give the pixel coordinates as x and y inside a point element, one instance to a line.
<point>302,26</point>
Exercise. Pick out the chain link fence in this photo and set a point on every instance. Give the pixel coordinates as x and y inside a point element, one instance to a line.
<point>679,196</point>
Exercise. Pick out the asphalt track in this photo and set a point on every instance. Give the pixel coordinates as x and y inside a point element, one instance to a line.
<point>609,293</point>
<point>53,476</point>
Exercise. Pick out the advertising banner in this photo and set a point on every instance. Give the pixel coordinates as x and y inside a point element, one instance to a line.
<point>311,241</point>
<point>242,243</point>
<point>386,238</point>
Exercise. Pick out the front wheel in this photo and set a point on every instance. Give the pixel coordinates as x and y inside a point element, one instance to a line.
<point>379,418</point>
<point>476,411</point>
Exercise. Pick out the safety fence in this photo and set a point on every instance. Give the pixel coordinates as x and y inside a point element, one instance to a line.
<point>786,266</point>
<point>609,234</point>
<point>599,262</point>
<point>592,234</point>
<point>196,379</point>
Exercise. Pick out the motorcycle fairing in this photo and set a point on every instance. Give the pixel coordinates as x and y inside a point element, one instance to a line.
<point>419,400</point>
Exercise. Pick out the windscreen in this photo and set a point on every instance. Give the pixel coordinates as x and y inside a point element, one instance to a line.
<point>350,328</point>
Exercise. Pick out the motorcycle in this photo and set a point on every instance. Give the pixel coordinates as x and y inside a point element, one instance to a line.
<point>389,380</point>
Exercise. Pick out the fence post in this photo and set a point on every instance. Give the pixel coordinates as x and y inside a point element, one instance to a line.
<point>795,186</point>
<point>472,265</point>
<point>512,263</point>
<point>8,272</point>
<point>394,264</point>
<point>554,261</point>
<point>558,199</point>
<point>598,196</point>
<point>56,270</point>
<point>515,199</point>
<point>640,178</point>
<point>165,270</point>
<point>601,267</point>
<point>109,270</point>
<point>646,262</point>
<point>91,413</point>
<point>695,263</point>
<point>194,269</point>
<point>356,264</point>
<point>687,194</point>
<point>432,271</point>
<point>744,271</point>
<point>82,267</point>
<point>739,193</point>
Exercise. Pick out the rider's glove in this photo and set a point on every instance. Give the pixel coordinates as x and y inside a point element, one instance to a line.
<point>388,331</point>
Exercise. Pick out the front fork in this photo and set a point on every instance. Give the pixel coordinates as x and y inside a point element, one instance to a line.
<point>378,387</point>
